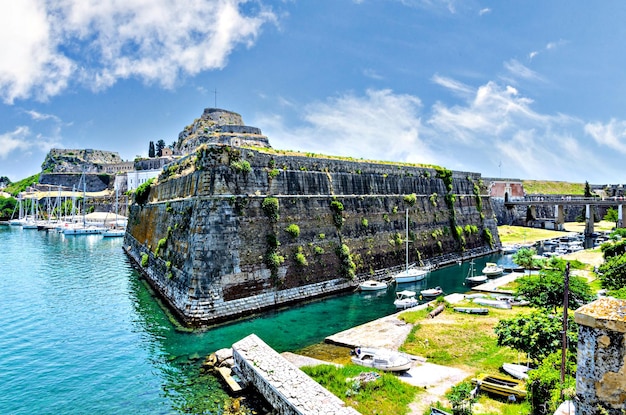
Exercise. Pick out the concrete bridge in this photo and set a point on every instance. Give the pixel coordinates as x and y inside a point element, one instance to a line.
<point>559,202</point>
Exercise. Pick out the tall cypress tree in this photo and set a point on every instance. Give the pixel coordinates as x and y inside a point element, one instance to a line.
<point>151,149</point>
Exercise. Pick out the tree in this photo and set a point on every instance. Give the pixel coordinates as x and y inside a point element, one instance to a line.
<point>151,149</point>
<point>537,334</point>
<point>160,145</point>
<point>613,272</point>
<point>524,257</point>
<point>611,216</point>
<point>546,290</point>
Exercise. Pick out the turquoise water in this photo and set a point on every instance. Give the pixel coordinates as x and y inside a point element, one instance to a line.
<point>80,332</point>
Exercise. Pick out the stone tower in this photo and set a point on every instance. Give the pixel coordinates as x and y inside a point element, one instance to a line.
<point>218,126</point>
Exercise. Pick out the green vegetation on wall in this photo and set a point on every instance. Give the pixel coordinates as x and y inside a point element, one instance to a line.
<point>18,187</point>
<point>270,207</point>
<point>142,192</point>
<point>337,208</point>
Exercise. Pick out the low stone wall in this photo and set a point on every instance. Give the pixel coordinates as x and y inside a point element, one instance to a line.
<point>289,390</point>
<point>601,373</point>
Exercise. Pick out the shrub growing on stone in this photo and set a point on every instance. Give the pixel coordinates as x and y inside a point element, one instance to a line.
<point>270,207</point>
<point>293,230</point>
<point>410,199</point>
<point>144,259</point>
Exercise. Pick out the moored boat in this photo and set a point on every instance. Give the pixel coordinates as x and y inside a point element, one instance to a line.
<point>500,385</point>
<point>473,279</point>
<point>371,285</point>
<point>432,292</point>
<point>405,299</point>
<point>409,274</point>
<point>113,233</point>
<point>492,269</point>
<point>437,411</point>
<point>382,359</point>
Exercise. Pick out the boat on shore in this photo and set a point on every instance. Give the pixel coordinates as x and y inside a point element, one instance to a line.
<point>372,285</point>
<point>515,370</point>
<point>432,292</point>
<point>382,359</point>
<point>500,385</point>
<point>472,310</point>
<point>405,299</point>
<point>437,411</point>
<point>493,303</point>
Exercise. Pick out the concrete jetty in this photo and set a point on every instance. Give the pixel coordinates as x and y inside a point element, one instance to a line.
<point>289,390</point>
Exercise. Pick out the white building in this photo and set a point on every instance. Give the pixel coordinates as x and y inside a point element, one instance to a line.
<point>136,178</point>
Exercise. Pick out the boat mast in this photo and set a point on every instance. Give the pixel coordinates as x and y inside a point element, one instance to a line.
<point>406,239</point>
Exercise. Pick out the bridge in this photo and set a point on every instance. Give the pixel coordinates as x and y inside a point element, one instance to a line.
<point>559,202</point>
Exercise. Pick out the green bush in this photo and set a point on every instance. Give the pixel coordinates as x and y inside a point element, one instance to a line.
<point>293,230</point>
<point>241,166</point>
<point>488,237</point>
<point>364,222</point>
<point>144,259</point>
<point>318,250</point>
<point>273,173</point>
<point>301,258</point>
<point>410,199</point>
<point>142,192</point>
<point>337,207</point>
<point>347,265</point>
<point>270,207</point>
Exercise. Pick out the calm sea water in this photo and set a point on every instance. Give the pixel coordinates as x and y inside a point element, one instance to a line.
<point>80,332</point>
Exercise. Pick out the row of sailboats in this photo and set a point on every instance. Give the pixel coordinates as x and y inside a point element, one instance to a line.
<point>67,224</point>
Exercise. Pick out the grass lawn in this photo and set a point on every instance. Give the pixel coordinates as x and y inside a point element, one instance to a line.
<point>467,342</point>
<point>520,234</point>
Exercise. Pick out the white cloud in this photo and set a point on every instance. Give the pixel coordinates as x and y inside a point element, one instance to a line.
<point>519,70</point>
<point>378,125</point>
<point>488,125</point>
<point>612,134</point>
<point>45,46</point>
<point>14,140</point>
<point>484,11</point>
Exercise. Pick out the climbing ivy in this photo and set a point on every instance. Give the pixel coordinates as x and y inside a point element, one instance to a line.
<point>347,266</point>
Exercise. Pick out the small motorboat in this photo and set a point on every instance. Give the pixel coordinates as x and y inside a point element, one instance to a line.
<point>405,299</point>
<point>492,269</point>
<point>500,385</point>
<point>432,292</point>
<point>517,371</point>
<point>382,359</point>
<point>472,310</point>
<point>493,303</point>
<point>371,285</point>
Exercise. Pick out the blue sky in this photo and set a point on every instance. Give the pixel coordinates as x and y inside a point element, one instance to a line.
<point>530,90</point>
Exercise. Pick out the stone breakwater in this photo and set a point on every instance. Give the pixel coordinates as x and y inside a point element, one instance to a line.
<point>289,390</point>
<point>229,231</point>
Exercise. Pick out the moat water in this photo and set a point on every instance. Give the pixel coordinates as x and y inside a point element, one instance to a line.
<point>80,333</point>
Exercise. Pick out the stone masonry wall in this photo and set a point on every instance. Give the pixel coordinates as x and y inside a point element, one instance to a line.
<point>208,239</point>
<point>601,373</point>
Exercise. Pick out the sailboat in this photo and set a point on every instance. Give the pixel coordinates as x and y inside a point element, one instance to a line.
<point>409,274</point>
<point>84,229</point>
<point>473,279</point>
<point>19,221</point>
<point>31,223</point>
<point>114,232</point>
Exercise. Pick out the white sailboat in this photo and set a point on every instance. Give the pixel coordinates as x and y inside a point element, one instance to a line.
<point>473,279</point>
<point>19,221</point>
<point>409,274</point>
<point>84,229</point>
<point>115,231</point>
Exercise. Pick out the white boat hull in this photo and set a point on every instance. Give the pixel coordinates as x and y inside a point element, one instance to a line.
<point>493,303</point>
<point>432,292</point>
<point>410,275</point>
<point>382,359</point>
<point>517,371</point>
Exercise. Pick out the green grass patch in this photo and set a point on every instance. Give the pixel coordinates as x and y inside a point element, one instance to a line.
<point>386,395</point>
<point>520,234</point>
<point>459,340</point>
<point>544,187</point>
